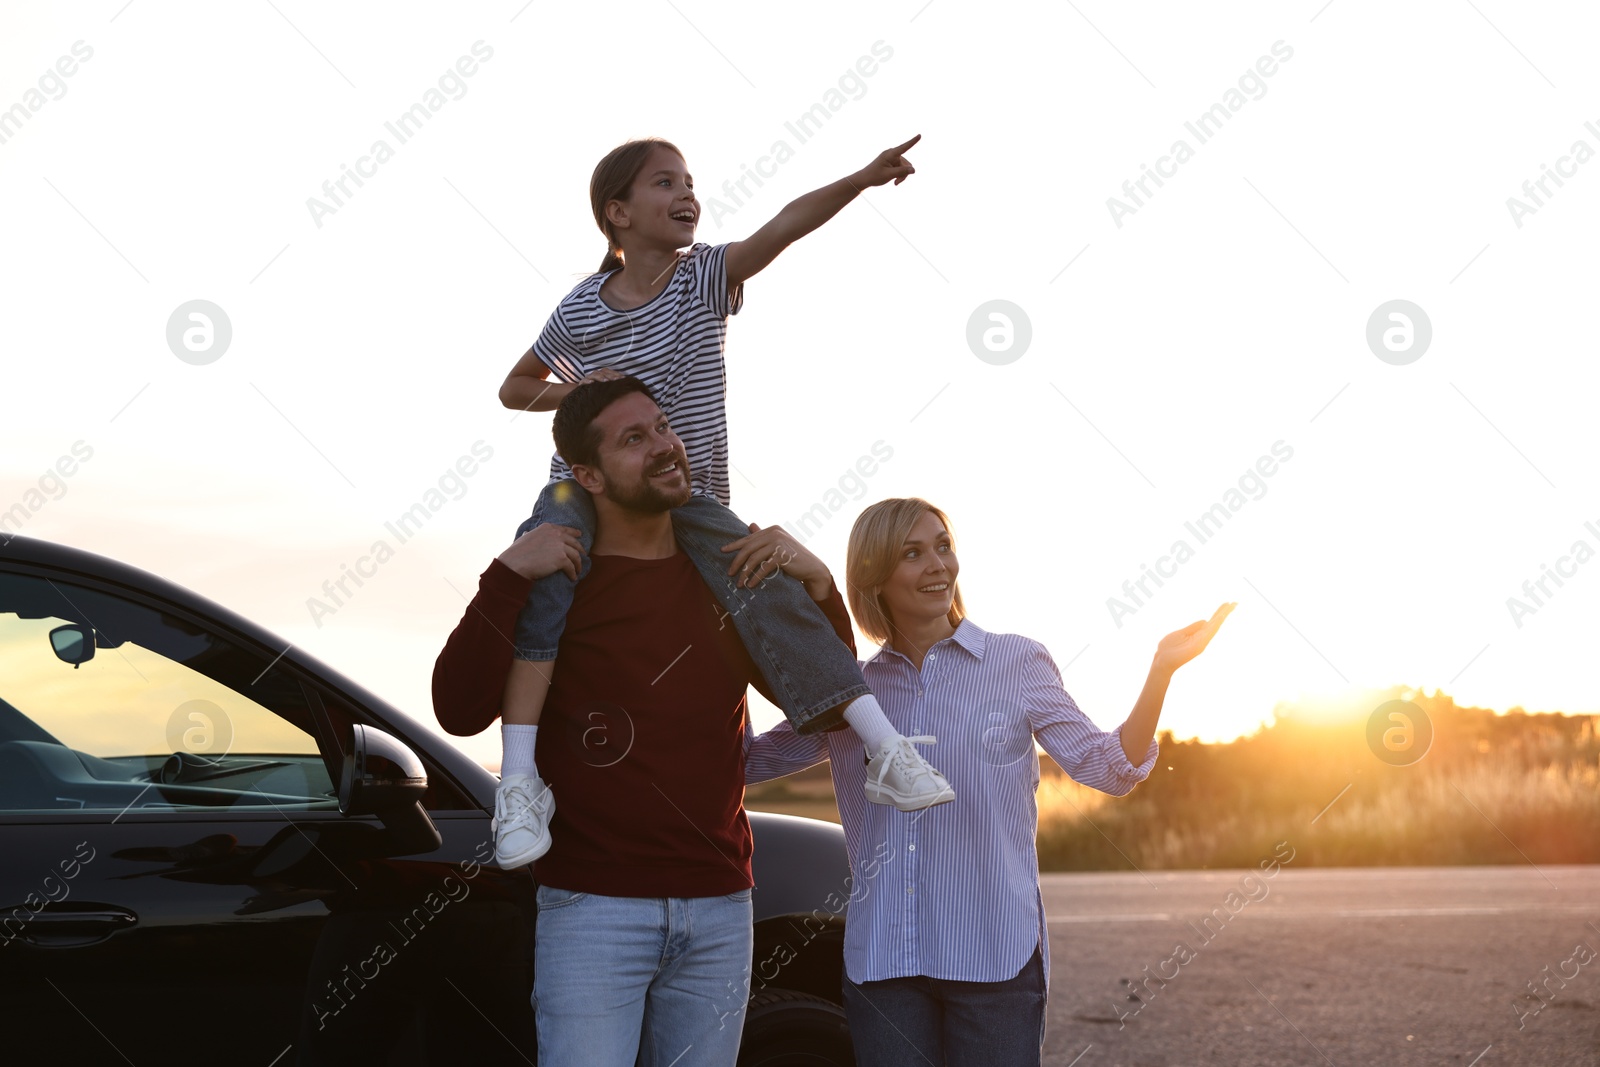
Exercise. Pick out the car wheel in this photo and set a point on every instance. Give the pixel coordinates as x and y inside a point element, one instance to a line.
<point>784,1029</point>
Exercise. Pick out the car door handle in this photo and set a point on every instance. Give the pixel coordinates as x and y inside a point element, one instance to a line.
<point>79,924</point>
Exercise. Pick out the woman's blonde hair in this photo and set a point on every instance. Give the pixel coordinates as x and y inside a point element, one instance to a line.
<point>876,541</point>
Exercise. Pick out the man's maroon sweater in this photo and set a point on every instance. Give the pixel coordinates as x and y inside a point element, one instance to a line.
<point>642,735</point>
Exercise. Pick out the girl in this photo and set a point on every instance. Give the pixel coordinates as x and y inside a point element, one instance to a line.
<point>947,957</point>
<point>660,314</point>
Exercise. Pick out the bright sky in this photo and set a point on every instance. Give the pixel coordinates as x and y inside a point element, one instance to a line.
<point>1357,154</point>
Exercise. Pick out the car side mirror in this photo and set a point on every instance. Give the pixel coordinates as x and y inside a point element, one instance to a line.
<point>382,777</point>
<point>72,643</point>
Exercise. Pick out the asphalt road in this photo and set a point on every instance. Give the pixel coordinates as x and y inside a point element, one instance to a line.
<point>1332,966</point>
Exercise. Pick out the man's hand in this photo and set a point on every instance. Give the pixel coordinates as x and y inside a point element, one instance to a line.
<point>765,552</point>
<point>543,550</point>
<point>891,165</point>
<point>604,374</point>
<point>1181,646</point>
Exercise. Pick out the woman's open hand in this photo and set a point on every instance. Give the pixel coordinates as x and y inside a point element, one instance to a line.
<point>1181,646</point>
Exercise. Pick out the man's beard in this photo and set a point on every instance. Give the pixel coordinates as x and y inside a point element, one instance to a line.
<point>647,498</point>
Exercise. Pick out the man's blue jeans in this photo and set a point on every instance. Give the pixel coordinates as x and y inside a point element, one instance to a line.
<point>625,979</point>
<point>807,668</point>
<point>912,1022</point>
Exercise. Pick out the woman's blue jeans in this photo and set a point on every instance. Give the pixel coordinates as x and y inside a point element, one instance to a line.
<point>912,1022</point>
<point>807,668</point>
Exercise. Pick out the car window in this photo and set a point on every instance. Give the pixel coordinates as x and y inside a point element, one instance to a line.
<point>109,705</point>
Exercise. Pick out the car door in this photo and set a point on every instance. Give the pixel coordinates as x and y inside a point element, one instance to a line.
<point>179,885</point>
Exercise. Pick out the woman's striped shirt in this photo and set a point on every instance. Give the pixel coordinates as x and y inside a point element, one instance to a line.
<point>953,891</point>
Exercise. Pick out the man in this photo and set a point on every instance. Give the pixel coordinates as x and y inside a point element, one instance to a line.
<point>644,896</point>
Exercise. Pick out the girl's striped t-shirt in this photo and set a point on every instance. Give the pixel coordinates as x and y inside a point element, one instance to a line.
<point>673,343</point>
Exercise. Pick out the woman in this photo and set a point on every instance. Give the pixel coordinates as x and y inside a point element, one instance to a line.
<point>946,953</point>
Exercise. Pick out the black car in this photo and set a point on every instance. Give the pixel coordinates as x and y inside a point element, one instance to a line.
<point>217,850</point>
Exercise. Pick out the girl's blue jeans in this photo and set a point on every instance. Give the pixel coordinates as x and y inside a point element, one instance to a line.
<point>806,667</point>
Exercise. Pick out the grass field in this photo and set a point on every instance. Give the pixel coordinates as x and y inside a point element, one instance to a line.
<point>1492,788</point>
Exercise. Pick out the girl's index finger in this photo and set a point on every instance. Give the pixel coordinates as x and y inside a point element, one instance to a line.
<point>908,144</point>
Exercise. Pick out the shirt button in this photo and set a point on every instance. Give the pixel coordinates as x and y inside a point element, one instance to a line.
<point>911,848</point>
<point>910,889</point>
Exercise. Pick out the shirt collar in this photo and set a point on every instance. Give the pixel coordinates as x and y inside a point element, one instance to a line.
<point>969,636</point>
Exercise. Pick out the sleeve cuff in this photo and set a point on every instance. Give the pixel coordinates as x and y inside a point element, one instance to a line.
<point>561,373</point>
<point>1125,769</point>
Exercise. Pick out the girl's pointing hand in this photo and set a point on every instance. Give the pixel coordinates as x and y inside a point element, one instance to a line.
<point>891,165</point>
